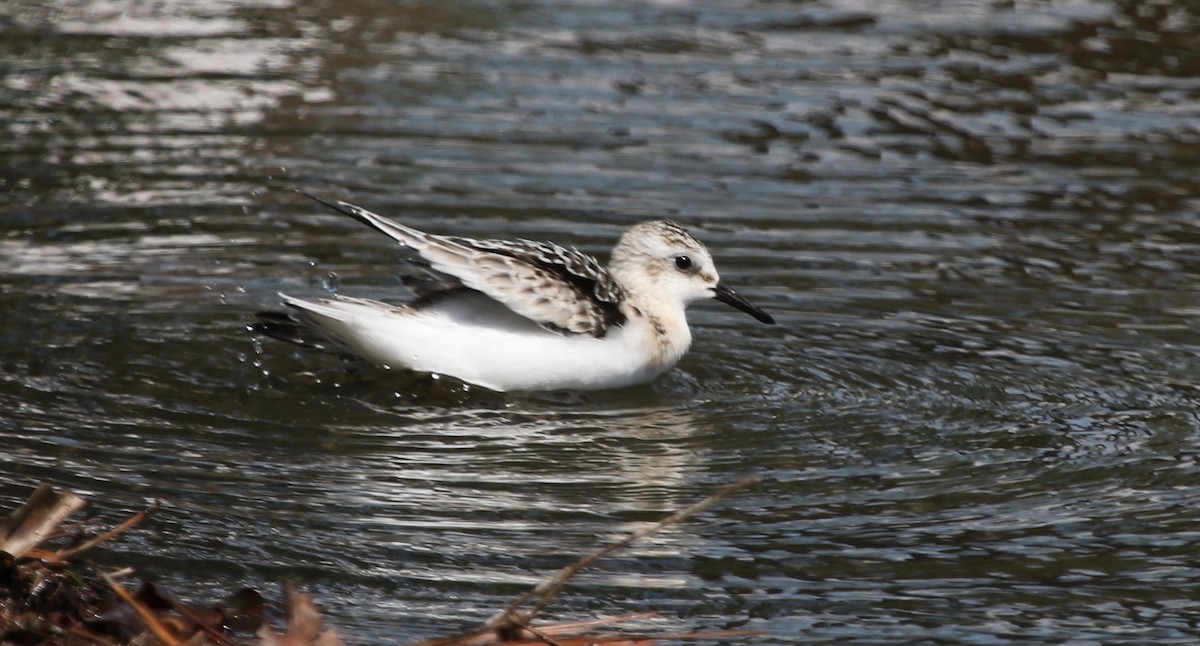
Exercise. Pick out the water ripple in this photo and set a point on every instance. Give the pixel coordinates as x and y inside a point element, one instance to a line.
<point>976,225</point>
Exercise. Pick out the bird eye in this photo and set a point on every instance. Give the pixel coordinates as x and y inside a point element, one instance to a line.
<point>683,263</point>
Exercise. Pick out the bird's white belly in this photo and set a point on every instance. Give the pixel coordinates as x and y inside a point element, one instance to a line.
<point>506,359</point>
<point>487,345</point>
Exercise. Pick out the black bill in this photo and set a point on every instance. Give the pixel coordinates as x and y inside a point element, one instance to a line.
<point>730,297</point>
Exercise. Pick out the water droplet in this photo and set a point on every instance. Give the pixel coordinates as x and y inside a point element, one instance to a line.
<point>331,282</point>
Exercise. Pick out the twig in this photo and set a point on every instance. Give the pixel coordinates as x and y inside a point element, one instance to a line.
<point>128,523</point>
<point>199,621</point>
<point>541,635</point>
<point>550,587</point>
<point>83,633</point>
<point>160,630</point>
<point>510,617</point>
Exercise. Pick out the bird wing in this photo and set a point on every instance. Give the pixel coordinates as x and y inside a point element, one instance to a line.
<point>561,289</point>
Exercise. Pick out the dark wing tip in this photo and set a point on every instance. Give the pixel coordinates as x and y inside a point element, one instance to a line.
<point>283,326</point>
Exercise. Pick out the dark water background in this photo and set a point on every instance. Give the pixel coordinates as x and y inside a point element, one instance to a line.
<point>975,221</point>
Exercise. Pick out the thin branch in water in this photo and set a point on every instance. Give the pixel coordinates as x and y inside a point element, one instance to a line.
<point>550,587</point>
<point>126,525</point>
<point>510,620</point>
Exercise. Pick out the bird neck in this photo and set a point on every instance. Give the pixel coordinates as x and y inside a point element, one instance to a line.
<point>664,330</point>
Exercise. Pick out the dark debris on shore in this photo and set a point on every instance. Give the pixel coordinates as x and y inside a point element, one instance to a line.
<point>49,596</point>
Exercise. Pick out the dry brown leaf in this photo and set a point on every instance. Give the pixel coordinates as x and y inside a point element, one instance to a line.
<point>36,520</point>
<point>303,625</point>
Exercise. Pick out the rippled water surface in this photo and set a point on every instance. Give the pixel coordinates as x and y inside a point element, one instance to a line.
<point>976,223</point>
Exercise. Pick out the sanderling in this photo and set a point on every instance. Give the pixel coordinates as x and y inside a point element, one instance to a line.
<point>521,315</point>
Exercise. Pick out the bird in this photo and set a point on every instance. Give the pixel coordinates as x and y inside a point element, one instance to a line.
<point>519,315</point>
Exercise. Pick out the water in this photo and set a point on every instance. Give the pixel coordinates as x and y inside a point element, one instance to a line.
<point>975,222</point>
